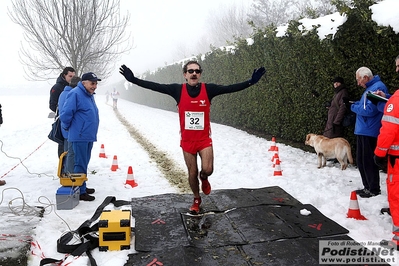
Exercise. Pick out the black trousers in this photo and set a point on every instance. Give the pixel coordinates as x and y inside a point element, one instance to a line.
<point>60,149</point>
<point>369,171</point>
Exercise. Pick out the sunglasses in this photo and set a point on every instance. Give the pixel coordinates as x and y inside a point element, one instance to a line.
<point>197,71</point>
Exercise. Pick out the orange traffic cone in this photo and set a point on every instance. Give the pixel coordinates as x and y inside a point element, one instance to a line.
<point>354,211</point>
<point>114,166</point>
<point>273,147</point>
<point>275,153</point>
<point>102,152</point>
<point>275,158</point>
<point>130,178</point>
<point>277,169</point>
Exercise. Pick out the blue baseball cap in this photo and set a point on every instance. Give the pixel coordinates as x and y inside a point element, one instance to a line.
<point>90,76</point>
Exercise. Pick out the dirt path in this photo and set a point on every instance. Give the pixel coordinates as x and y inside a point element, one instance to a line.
<point>173,173</point>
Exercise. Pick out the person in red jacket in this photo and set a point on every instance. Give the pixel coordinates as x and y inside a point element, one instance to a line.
<point>388,146</point>
<point>2,182</point>
<point>193,102</point>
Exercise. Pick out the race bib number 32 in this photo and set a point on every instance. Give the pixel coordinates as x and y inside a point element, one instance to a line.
<point>194,120</point>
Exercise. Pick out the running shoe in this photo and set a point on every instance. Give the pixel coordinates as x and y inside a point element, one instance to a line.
<point>196,205</point>
<point>206,187</point>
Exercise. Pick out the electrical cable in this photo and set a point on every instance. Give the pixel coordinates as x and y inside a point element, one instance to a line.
<point>21,162</point>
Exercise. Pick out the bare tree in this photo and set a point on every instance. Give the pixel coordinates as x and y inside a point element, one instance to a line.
<point>223,25</point>
<point>278,12</point>
<point>231,22</point>
<point>182,50</point>
<point>88,35</point>
<point>315,9</point>
<point>203,44</point>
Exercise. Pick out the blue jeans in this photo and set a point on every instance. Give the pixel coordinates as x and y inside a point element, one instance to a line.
<point>82,157</point>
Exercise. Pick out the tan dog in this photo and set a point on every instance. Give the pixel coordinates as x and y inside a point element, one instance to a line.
<point>327,148</point>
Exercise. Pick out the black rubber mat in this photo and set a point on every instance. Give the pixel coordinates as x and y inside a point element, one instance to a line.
<point>181,256</point>
<point>211,230</point>
<point>156,231</point>
<point>302,251</point>
<point>313,225</point>
<point>237,198</point>
<point>237,227</point>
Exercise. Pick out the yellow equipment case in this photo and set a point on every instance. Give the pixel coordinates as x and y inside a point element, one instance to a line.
<point>68,179</point>
<point>114,229</point>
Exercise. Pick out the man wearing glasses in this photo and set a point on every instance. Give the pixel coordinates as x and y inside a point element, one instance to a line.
<point>193,102</point>
<point>367,128</point>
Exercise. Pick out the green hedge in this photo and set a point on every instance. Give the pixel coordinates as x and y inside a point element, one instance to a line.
<point>282,103</point>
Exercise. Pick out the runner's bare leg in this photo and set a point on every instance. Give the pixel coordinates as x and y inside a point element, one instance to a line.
<point>192,167</point>
<point>206,162</point>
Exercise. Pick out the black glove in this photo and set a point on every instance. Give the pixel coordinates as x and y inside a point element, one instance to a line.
<point>256,75</point>
<point>127,73</point>
<point>347,102</point>
<point>327,104</point>
<point>315,93</point>
<point>380,162</point>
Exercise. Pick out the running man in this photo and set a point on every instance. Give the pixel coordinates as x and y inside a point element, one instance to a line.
<point>193,103</point>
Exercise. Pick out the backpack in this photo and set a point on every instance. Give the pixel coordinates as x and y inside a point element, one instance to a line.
<point>349,119</point>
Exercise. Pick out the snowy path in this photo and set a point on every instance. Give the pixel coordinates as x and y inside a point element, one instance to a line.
<point>241,161</point>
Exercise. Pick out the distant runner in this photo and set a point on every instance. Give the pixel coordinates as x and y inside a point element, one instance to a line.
<point>115,96</point>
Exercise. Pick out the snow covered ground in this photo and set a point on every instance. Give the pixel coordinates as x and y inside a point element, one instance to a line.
<point>241,161</point>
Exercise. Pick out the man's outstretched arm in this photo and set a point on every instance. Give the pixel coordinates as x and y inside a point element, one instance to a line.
<point>169,89</point>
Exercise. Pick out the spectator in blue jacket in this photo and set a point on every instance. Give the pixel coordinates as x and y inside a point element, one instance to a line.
<point>69,158</point>
<point>79,116</point>
<point>367,128</point>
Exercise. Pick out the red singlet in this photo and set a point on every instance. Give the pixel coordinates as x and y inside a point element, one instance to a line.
<point>195,126</point>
